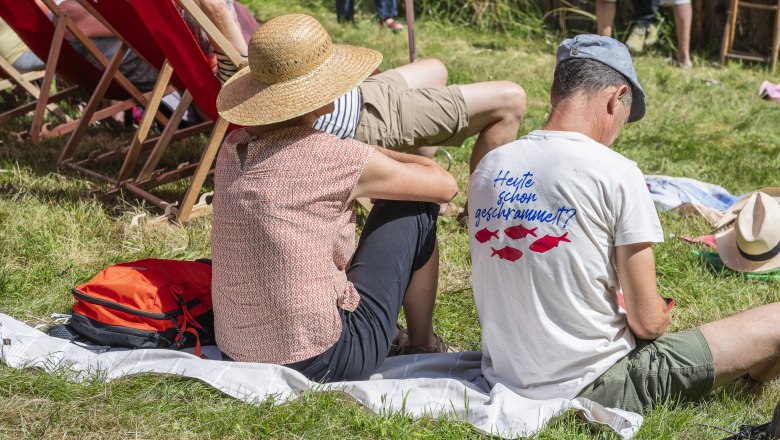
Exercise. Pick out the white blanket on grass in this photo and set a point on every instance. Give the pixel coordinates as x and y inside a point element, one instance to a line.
<point>432,385</point>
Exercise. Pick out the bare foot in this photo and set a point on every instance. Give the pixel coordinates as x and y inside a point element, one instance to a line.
<point>684,62</point>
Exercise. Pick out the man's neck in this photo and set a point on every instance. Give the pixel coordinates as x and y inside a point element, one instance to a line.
<point>573,116</point>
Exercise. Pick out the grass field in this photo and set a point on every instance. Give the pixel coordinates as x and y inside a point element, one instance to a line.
<point>706,124</point>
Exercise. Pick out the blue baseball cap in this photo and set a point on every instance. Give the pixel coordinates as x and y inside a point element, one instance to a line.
<point>612,53</point>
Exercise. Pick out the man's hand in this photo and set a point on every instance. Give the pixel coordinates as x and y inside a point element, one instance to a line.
<point>648,317</point>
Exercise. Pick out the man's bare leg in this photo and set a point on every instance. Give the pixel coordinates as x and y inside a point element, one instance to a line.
<point>496,109</point>
<point>419,302</point>
<point>605,17</point>
<point>748,342</point>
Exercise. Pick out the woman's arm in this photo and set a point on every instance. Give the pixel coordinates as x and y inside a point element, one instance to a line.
<point>397,176</point>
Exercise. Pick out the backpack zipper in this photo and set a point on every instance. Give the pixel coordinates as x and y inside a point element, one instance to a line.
<point>112,305</point>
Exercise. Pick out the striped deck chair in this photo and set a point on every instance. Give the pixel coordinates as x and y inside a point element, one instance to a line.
<point>190,64</point>
<point>121,19</point>
<point>47,40</point>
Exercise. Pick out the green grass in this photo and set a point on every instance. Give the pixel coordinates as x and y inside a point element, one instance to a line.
<point>53,235</point>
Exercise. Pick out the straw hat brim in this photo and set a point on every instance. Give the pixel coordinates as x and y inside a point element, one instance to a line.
<point>244,101</point>
<point>725,239</point>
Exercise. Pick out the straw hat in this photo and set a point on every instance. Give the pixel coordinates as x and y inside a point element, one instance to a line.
<point>748,234</point>
<point>294,68</point>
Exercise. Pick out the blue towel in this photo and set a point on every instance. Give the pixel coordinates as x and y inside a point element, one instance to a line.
<point>671,192</point>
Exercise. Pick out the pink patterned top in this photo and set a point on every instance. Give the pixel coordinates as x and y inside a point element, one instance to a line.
<point>283,235</point>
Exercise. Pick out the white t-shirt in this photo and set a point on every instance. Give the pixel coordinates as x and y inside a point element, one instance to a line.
<point>547,213</point>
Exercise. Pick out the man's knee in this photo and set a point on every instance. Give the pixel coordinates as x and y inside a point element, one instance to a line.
<point>513,100</point>
<point>437,70</point>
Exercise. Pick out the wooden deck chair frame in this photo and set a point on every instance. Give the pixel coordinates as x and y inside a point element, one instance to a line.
<point>140,141</point>
<point>63,22</point>
<point>149,178</point>
<point>25,84</point>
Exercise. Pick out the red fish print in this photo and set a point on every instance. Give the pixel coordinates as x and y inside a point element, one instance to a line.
<point>519,231</point>
<point>484,235</point>
<point>507,253</point>
<point>548,242</point>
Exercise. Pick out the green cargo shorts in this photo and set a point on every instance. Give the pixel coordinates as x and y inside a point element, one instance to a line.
<point>676,366</point>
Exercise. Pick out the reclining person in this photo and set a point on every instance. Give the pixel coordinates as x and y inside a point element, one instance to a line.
<point>561,224</point>
<point>132,66</point>
<point>289,286</point>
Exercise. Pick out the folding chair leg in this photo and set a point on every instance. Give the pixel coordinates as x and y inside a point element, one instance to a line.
<point>23,82</point>
<point>92,106</point>
<point>206,160</point>
<point>26,108</point>
<point>165,138</point>
<point>146,122</point>
<point>51,64</point>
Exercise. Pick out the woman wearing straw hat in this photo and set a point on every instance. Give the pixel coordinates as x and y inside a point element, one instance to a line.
<point>289,286</point>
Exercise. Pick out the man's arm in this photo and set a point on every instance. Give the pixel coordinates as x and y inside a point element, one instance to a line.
<point>397,176</point>
<point>647,315</point>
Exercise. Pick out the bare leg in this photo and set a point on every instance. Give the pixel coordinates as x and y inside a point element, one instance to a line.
<point>429,72</point>
<point>419,302</point>
<point>683,17</point>
<point>605,17</point>
<point>746,342</point>
<point>767,371</point>
<point>496,109</point>
<point>219,14</point>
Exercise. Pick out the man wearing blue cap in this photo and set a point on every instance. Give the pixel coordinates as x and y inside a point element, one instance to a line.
<point>561,224</point>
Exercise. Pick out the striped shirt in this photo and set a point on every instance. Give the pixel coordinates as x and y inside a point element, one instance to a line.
<point>344,120</point>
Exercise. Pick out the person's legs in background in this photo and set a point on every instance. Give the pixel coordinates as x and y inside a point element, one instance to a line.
<point>683,18</point>
<point>345,10</point>
<point>645,32</point>
<point>605,17</point>
<point>387,10</point>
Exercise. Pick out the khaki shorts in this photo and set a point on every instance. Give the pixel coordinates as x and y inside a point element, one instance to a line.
<point>674,366</point>
<point>399,118</point>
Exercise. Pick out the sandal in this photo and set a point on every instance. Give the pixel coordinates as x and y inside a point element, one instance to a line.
<point>400,341</point>
<point>438,347</point>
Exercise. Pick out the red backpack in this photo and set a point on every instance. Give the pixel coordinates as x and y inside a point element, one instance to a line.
<point>147,304</point>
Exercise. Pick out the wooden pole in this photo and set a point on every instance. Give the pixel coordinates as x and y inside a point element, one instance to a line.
<point>410,30</point>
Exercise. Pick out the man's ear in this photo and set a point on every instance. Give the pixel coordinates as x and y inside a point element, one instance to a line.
<point>615,96</point>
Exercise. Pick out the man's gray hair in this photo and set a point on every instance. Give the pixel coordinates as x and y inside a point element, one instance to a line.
<point>587,76</point>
